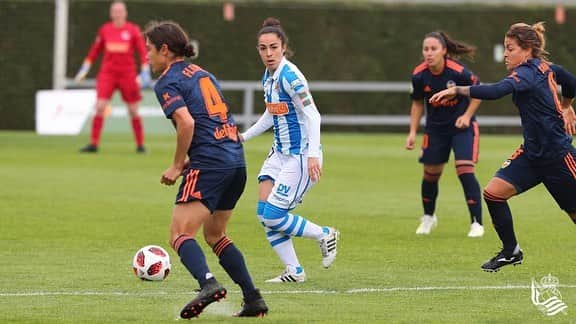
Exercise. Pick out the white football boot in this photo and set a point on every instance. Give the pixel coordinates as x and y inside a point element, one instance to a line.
<point>329,246</point>
<point>290,274</point>
<point>476,230</point>
<point>427,223</point>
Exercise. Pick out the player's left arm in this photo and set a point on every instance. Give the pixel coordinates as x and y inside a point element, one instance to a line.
<point>95,50</point>
<point>184,134</point>
<point>568,115</point>
<point>145,76</point>
<point>568,82</point>
<point>302,99</point>
<point>483,91</point>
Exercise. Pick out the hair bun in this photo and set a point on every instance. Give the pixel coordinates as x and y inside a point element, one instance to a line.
<point>271,21</point>
<point>191,49</point>
<point>539,27</point>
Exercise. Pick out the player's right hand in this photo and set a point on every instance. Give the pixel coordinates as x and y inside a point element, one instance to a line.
<point>314,169</point>
<point>462,122</point>
<point>446,93</point>
<point>171,174</point>
<point>145,76</point>
<point>83,71</point>
<point>569,120</point>
<point>410,140</point>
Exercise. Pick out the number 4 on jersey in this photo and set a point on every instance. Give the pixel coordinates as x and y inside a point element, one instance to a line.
<point>213,100</point>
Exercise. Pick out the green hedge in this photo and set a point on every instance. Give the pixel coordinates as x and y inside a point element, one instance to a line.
<point>370,42</point>
<point>26,39</point>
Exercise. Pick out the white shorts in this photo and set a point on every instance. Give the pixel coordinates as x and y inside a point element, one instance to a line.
<point>290,176</point>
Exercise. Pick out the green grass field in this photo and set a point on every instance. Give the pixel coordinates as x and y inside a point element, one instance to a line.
<point>70,224</point>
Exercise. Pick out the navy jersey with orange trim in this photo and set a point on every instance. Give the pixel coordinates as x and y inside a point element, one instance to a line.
<point>215,144</point>
<point>442,116</point>
<point>534,92</point>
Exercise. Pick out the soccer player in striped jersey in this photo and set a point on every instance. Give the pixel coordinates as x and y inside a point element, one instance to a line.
<point>118,39</point>
<point>210,158</point>
<point>450,125</point>
<point>547,155</point>
<point>295,160</point>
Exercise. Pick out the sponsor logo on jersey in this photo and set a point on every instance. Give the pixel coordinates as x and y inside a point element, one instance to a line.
<point>226,131</point>
<point>283,190</point>
<point>117,47</point>
<point>277,109</point>
<point>170,101</point>
<point>125,35</point>
<point>445,103</point>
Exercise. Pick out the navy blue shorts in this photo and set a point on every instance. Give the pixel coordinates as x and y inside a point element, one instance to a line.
<point>436,147</point>
<point>559,177</point>
<point>216,189</point>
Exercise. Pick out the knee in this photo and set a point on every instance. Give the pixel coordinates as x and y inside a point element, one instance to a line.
<point>273,217</point>
<point>491,196</point>
<point>432,176</point>
<point>133,113</point>
<point>213,234</point>
<point>176,240</point>
<point>212,238</point>
<point>260,211</point>
<point>464,167</point>
<point>100,108</point>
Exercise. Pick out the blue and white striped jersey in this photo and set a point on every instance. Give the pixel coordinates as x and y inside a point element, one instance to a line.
<point>295,117</point>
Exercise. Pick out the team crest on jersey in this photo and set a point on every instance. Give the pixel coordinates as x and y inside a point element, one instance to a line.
<point>450,84</point>
<point>125,35</point>
<point>506,163</point>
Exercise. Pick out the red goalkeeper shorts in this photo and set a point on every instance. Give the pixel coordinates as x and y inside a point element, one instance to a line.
<point>107,82</point>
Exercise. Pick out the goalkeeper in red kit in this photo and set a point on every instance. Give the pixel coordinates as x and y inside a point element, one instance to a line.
<point>118,39</point>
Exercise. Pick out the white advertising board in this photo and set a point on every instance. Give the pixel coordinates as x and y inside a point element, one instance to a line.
<point>63,112</point>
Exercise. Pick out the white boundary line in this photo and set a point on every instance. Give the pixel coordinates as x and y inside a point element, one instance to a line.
<point>272,292</point>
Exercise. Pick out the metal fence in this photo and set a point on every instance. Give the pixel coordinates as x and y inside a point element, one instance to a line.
<point>248,117</point>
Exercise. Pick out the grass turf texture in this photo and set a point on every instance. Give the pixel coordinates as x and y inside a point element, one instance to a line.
<point>70,224</point>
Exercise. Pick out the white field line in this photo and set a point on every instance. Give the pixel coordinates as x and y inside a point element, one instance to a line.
<point>272,292</point>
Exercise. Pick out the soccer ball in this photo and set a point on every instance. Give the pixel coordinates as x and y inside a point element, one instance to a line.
<point>151,263</point>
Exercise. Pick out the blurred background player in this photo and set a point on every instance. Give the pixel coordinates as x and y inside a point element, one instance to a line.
<point>547,155</point>
<point>119,39</point>
<point>450,125</point>
<point>210,157</point>
<point>295,161</point>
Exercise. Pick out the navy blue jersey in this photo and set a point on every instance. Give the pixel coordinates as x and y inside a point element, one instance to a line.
<point>534,92</point>
<point>441,116</point>
<point>215,144</point>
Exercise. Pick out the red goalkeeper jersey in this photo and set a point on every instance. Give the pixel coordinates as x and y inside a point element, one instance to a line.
<point>118,45</point>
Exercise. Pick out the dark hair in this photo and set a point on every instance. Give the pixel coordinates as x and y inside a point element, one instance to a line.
<point>171,34</point>
<point>453,47</point>
<point>530,37</point>
<point>272,25</point>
